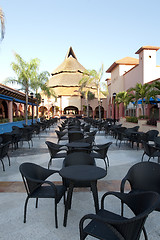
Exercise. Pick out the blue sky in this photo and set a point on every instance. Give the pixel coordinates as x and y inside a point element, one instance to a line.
<point>99,31</point>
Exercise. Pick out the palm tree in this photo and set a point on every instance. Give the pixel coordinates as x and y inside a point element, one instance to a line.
<point>90,96</point>
<point>2,24</point>
<point>144,92</point>
<point>125,98</point>
<point>39,82</point>
<point>93,77</point>
<point>28,77</point>
<point>84,87</point>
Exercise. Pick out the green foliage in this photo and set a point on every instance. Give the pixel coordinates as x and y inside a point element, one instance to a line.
<point>4,120</point>
<point>143,91</point>
<point>29,78</point>
<point>132,119</point>
<point>20,118</point>
<point>91,77</point>
<point>143,117</point>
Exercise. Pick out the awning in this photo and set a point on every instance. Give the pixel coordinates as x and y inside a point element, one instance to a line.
<point>6,97</point>
<point>151,100</point>
<point>21,101</point>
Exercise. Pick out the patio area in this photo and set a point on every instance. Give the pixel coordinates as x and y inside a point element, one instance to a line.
<point>40,222</point>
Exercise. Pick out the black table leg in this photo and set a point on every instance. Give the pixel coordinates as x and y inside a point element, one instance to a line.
<point>68,202</point>
<point>95,195</point>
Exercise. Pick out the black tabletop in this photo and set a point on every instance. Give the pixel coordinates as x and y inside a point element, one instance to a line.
<point>82,173</point>
<point>78,145</point>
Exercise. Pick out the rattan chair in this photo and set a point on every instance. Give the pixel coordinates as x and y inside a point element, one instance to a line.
<point>100,151</point>
<point>36,185</point>
<point>143,176</point>
<point>107,225</point>
<point>55,151</point>
<point>4,148</point>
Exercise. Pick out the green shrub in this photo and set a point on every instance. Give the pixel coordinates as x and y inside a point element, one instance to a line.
<point>143,117</point>
<point>16,119</point>
<point>4,120</point>
<point>132,119</point>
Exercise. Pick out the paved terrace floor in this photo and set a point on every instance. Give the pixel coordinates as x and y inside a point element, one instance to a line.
<point>40,222</point>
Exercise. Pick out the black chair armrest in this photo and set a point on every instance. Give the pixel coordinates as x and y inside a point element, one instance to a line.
<point>123,182</point>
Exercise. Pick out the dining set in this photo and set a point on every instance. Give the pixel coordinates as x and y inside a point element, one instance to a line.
<point>79,154</point>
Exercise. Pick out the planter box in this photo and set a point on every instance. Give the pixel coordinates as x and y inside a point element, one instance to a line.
<point>143,127</point>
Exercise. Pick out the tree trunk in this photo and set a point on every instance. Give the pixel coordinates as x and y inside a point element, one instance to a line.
<point>87,107</point>
<point>26,108</point>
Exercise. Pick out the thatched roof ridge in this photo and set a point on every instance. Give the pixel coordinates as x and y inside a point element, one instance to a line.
<point>70,64</point>
<point>68,73</point>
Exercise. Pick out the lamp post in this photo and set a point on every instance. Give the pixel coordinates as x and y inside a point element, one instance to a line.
<point>42,107</point>
<point>31,95</point>
<point>101,109</point>
<point>114,96</point>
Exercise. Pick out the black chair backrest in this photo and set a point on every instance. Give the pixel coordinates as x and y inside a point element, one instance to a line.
<point>157,141</point>
<point>75,136</point>
<point>52,147</point>
<point>152,134</point>
<point>145,176</point>
<point>4,149</point>
<point>78,158</point>
<point>103,149</point>
<point>32,175</point>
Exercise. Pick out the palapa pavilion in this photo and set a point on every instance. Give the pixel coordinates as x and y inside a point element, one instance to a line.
<point>65,83</point>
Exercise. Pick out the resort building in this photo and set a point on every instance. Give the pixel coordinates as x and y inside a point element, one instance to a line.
<point>126,73</point>
<point>12,104</point>
<point>65,83</point>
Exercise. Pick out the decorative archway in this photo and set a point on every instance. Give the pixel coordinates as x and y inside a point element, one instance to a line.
<point>97,112</point>
<point>5,109</point>
<point>71,110</point>
<point>43,110</point>
<point>154,112</point>
<point>90,111</point>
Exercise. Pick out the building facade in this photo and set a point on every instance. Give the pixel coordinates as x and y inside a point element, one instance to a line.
<point>64,81</point>
<point>127,72</point>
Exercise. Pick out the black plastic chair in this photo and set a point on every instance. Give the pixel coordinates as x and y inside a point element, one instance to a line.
<point>151,151</point>
<point>4,148</point>
<point>109,225</point>
<point>100,151</point>
<point>75,136</point>
<point>152,134</point>
<point>121,135</point>
<point>26,136</point>
<point>86,128</point>
<point>36,185</point>
<point>55,151</point>
<point>143,176</point>
<point>61,135</point>
<point>78,158</point>
<point>157,141</point>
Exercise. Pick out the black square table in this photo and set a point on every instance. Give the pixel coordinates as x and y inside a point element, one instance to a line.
<point>81,173</point>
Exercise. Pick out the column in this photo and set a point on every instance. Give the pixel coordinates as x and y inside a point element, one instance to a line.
<point>10,111</point>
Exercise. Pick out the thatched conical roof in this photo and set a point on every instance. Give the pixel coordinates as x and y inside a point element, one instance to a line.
<point>67,74</point>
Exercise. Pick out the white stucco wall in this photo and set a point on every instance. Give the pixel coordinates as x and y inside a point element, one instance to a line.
<point>71,101</point>
<point>133,77</point>
<point>116,81</point>
<point>149,65</point>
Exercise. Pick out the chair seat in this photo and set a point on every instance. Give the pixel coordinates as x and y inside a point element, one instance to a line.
<point>99,229</point>
<point>48,192</point>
